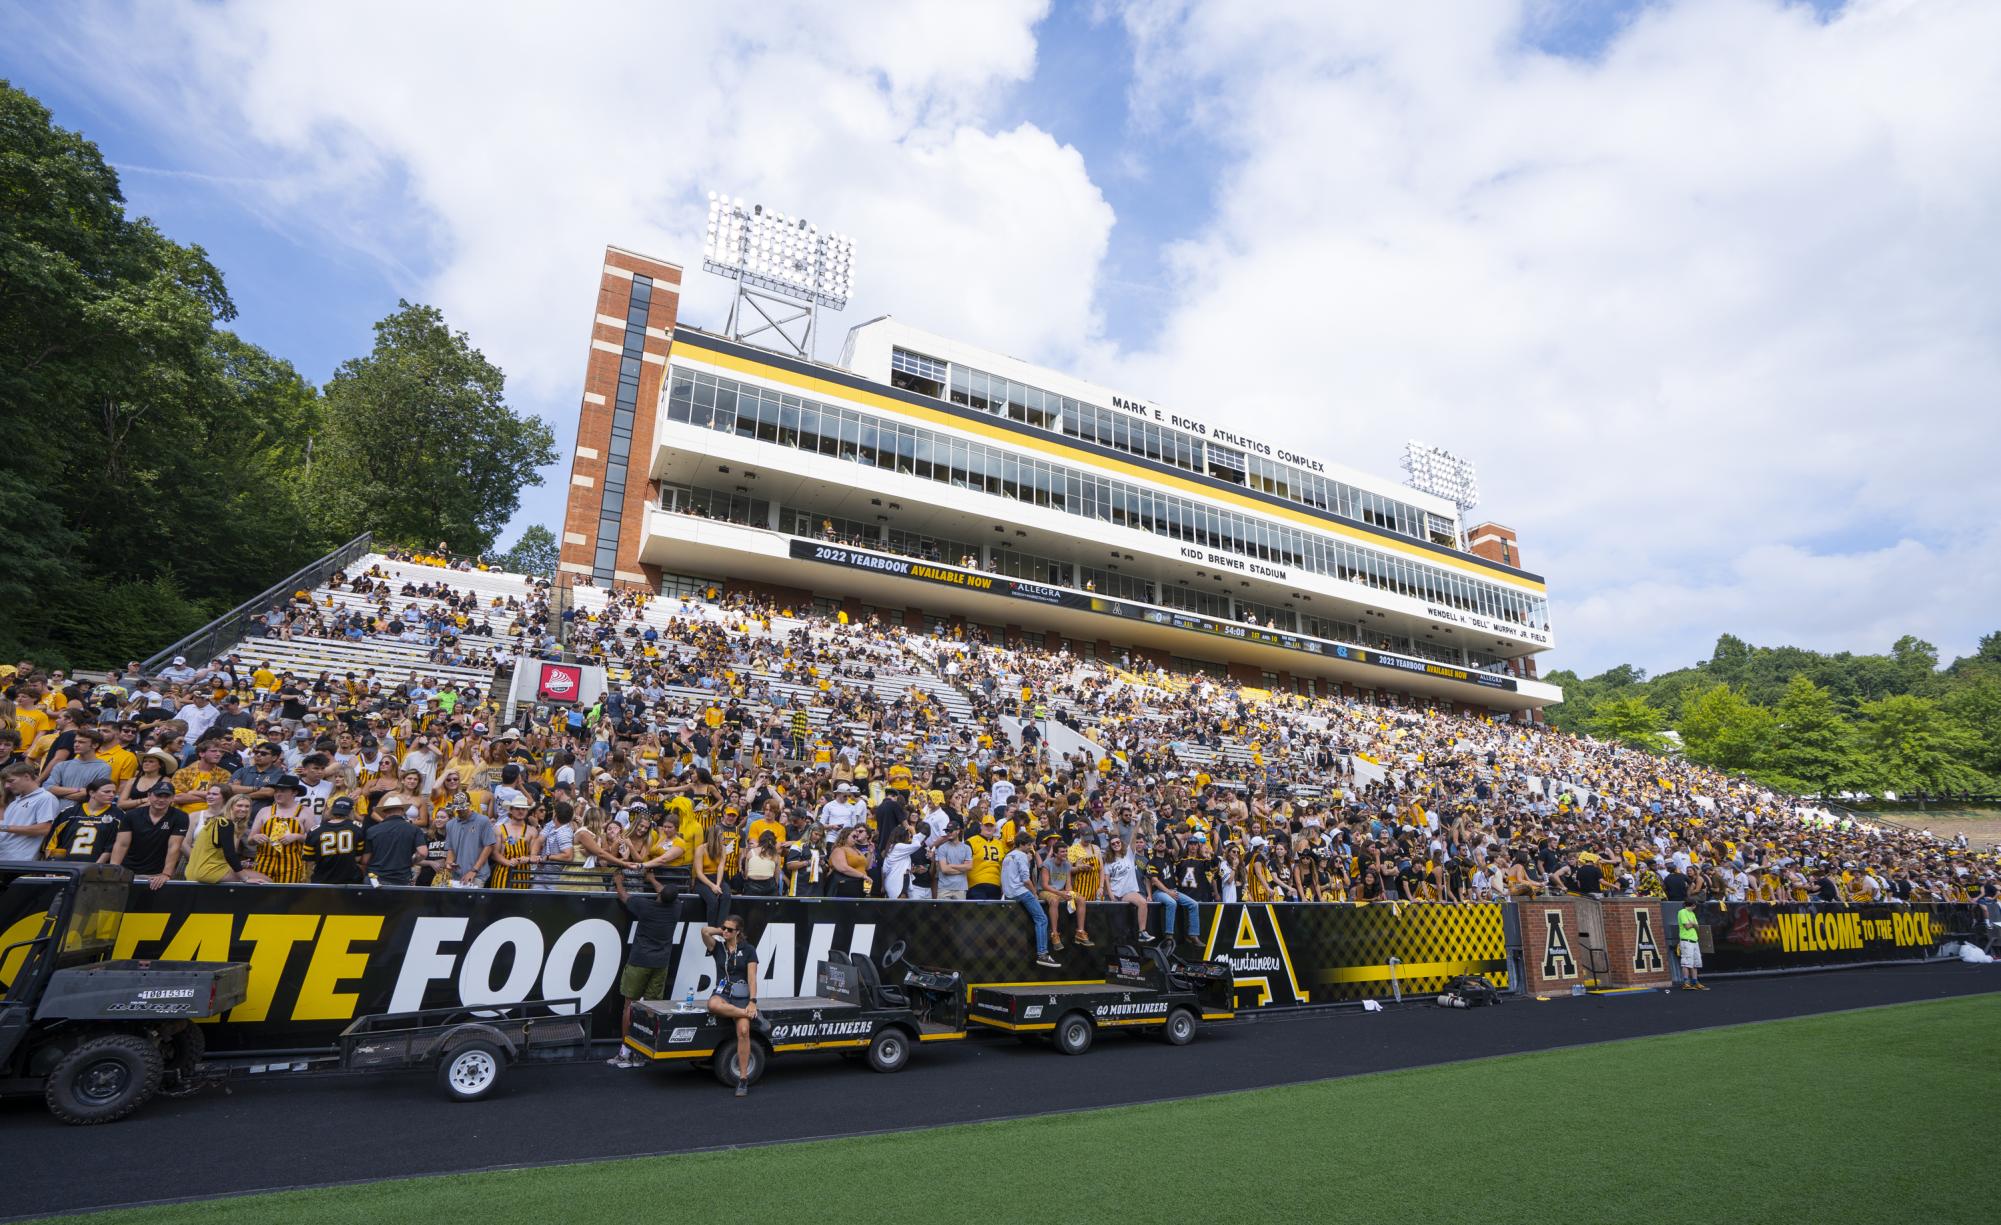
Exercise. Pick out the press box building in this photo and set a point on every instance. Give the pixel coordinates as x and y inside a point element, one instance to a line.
<point>927,480</point>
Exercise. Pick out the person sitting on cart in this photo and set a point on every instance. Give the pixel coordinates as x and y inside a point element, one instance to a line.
<point>735,993</point>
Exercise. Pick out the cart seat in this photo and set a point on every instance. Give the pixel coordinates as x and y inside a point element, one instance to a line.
<point>874,990</point>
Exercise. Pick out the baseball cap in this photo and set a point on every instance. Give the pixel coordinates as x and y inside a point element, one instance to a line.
<point>342,807</point>
<point>180,659</point>
<point>161,789</point>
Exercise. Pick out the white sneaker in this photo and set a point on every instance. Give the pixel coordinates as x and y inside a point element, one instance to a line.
<point>1047,960</point>
<point>623,1059</point>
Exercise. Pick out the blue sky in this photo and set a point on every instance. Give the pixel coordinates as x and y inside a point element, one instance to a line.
<point>1704,286</point>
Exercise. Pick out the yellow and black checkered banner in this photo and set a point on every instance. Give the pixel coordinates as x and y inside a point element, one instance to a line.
<point>1764,936</point>
<point>1293,954</point>
<point>321,956</point>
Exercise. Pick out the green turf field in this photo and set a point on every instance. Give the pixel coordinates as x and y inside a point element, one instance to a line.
<point>1885,1114</point>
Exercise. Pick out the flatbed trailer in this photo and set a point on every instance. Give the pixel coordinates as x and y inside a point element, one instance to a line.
<point>1145,989</point>
<point>852,1011</point>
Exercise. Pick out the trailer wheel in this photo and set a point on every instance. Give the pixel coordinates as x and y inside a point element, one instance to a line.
<point>471,1071</point>
<point>725,1062</point>
<point>103,1079</point>
<point>889,1051</point>
<point>1073,1034</point>
<point>1180,1027</point>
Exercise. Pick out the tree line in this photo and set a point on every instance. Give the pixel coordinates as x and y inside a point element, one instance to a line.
<point>156,468</point>
<point>1807,721</point>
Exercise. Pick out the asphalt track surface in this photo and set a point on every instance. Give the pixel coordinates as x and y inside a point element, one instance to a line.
<point>289,1131</point>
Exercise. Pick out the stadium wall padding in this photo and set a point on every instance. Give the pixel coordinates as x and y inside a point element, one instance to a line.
<point>321,956</point>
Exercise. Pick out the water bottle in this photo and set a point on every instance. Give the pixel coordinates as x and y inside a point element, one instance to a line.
<point>688,1005</point>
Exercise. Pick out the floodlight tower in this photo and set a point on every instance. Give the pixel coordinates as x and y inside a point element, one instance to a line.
<point>1437,471</point>
<point>785,268</point>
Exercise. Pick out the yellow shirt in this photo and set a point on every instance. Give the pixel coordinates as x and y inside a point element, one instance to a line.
<point>263,680</point>
<point>762,824</point>
<point>33,723</point>
<point>123,762</point>
<point>987,855</point>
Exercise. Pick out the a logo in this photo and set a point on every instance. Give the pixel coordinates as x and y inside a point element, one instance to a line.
<point>1646,952</point>
<point>561,683</point>
<point>684,1034</point>
<point>1031,1012</point>
<point>1556,959</point>
<point>1258,959</point>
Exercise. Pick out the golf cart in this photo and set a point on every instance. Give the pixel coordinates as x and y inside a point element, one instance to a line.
<point>95,1037</point>
<point>1151,988</point>
<point>852,1010</point>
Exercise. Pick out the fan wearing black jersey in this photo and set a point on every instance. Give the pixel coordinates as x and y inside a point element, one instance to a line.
<point>336,849</point>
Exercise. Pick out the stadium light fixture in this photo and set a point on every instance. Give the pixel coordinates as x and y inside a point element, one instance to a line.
<point>1440,473</point>
<point>785,268</point>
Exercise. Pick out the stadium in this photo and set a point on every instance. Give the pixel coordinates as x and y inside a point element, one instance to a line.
<point>1294,702</point>
<point>909,765</point>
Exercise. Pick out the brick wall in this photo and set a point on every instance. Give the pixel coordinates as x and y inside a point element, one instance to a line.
<point>592,454</point>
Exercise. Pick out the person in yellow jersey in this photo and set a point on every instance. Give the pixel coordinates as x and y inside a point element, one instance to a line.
<point>516,845</point>
<point>279,834</point>
<point>983,878</point>
<point>119,753</point>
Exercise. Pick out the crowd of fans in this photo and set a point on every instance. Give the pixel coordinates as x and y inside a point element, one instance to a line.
<point>745,748</point>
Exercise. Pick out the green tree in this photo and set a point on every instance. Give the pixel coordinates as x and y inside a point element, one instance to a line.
<point>1631,720</point>
<point>149,453</point>
<point>419,444</point>
<point>535,553</point>
<point>1909,744</point>
<point>1719,728</point>
<point>1812,747</point>
<point>1976,706</point>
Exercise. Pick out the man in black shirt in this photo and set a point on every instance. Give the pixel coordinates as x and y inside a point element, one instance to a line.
<point>150,838</point>
<point>393,844</point>
<point>651,951</point>
<point>337,847</point>
<point>1197,874</point>
<point>1675,885</point>
<point>1587,876</point>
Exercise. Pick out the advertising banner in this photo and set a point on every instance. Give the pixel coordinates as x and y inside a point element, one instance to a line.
<point>321,956</point>
<point>1018,589</point>
<point>559,683</point>
<point>1799,935</point>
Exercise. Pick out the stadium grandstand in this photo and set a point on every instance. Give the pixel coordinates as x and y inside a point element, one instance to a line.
<point>1301,741</point>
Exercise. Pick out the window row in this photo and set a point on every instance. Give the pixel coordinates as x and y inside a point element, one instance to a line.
<point>1128,433</point>
<point>706,401</point>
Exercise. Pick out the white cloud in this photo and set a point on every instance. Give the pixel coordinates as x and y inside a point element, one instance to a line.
<point>486,153</point>
<point>1703,308</point>
<point>1714,309</point>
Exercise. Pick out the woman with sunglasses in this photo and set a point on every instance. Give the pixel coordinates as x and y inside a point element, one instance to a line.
<point>735,994</point>
<point>1122,880</point>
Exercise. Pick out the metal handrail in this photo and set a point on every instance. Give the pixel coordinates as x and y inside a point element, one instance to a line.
<point>202,645</point>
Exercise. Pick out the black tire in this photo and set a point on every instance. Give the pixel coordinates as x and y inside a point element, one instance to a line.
<point>725,1064</point>
<point>105,1078</point>
<point>1180,1027</point>
<point>889,1051</point>
<point>1073,1034</point>
<point>472,1070</point>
